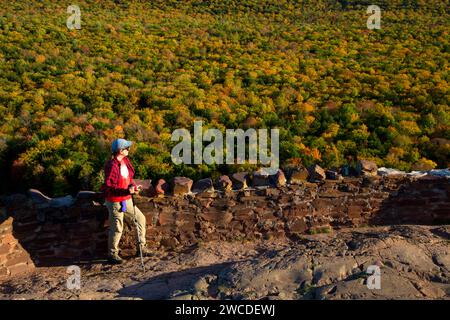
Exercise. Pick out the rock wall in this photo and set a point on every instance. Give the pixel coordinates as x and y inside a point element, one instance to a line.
<point>54,234</point>
<point>289,211</point>
<point>75,230</point>
<point>13,258</point>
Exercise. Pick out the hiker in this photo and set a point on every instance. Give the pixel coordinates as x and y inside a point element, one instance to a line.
<point>118,188</point>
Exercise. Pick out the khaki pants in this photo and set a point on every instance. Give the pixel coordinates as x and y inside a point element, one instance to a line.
<point>116,219</point>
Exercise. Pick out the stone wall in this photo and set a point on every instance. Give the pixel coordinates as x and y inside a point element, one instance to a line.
<point>67,232</point>
<point>13,258</point>
<point>59,234</point>
<point>292,210</point>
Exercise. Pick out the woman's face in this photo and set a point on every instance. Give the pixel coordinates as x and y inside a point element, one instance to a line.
<point>124,152</point>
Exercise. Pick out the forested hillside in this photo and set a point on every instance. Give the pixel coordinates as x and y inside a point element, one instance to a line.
<point>335,89</point>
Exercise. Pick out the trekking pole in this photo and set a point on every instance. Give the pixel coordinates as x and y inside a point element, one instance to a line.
<point>138,233</point>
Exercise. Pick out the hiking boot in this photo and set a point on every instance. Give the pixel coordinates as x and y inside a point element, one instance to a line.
<point>115,259</point>
<point>146,252</point>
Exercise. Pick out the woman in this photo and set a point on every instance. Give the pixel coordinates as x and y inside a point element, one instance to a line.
<point>118,188</point>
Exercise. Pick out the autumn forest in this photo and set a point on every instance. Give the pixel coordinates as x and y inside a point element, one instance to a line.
<point>337,90</point>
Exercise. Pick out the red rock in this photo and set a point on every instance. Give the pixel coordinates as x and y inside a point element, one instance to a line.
<point>296,212</point>
<point>366,167</point>
<point>38,197</point>
<point>185,225</point>
<point>162,187</point>
<point>272,193</point>
<point>68,253</point>
<point>146,188</point>
<point>443,211</point>
<point>320,229</point>
<point>20,268</point>
<point>3,272</point>
<point>217,217</point>
<point>278,179</point>
<point>333,175</point>
<point>187,238</point>
<point>253,200</point>
<point>5,248</point>
<point>316,173</point>
<point>224,183</point>
<point>297,226</point>
<point>169,243</point>
<point>45,242</point>
<point>166,217</point>
<point>298,175</point>
<point>203,185</point>
<point>354,211</point>
<point>429,178</point>
<point>242,213</point>
<point>26,229</point>
<point>236,225</point>
<point>5,230</point>
<point>7,222</point>
<point>260,179</point>
<point>22,257</point>
<point>267,216</point>
<point>321,203</point>
<point>182,185</point>
<point>333,194</point>
<point>240,180</point>
<point>339,211</point>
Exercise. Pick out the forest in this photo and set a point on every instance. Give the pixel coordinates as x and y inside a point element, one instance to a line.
<point>337,91</point>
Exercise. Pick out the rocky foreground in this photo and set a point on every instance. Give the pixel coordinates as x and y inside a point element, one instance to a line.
<point>414,263</point>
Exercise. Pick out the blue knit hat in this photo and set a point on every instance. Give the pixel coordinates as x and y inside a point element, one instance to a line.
<point>120,144</point>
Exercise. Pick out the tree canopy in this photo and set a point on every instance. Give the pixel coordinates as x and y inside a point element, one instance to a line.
<point>336,90</point>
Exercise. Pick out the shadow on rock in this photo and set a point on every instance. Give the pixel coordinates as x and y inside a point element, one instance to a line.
<point>188,284</point>
<point>424,201</point>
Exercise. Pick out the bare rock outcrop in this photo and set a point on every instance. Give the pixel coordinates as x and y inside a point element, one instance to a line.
<point>414,263</point>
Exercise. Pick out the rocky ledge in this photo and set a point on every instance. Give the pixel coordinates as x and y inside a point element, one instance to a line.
<point>414,262</point>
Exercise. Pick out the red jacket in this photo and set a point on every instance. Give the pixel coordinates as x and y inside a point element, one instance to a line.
<point>110,187</point>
